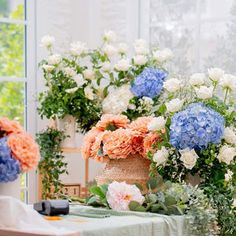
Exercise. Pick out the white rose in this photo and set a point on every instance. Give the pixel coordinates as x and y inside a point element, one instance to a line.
<point>230,136</point>
<point>106,67</point>
<point>109,50</point>
<point>78,48</point>
<point>69,72</point>
<point>89,74</point>
<point>54,59</point>
<point>140,60</point>
<point>122,48</point>
<point>228,82</point>
<point>141,46</point>
<point>161,156</point>
<point>174,105</point>
<point>79,80</point>
<point>226,154</point>
<point>189,158</point>
<point>122,65</point>
<point>48,68</point>
<point>204,92</point>
<point>71,90</point>
<point>157,123</point>
<point>228,175</point>
<point>47,41</point>
<point>109,36</point>
<point>172,85</point>
<point>163,55</point>
<point>215,74</point>
<point>197,79</point>
<point>89,93</point>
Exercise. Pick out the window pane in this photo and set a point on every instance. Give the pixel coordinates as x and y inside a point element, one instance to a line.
<point>11,50</point>
<point>12,100</point>
<point>13,9</point>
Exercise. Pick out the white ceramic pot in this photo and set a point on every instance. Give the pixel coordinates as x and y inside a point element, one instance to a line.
<point>68,125</point>
<point>11,188</point>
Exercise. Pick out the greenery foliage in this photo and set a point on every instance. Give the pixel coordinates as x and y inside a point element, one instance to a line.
<point>52,164</point>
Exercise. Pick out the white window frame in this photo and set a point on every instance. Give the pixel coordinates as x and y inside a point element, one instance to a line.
<point>30,83</point>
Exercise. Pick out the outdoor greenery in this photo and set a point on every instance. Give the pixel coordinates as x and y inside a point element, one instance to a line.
<point>52,164</point>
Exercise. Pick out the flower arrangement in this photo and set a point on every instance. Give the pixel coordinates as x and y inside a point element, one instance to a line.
<point>115,137</point>
<point>18,151</point>
<point>199,138</point>
<point>163,198</point>
<point>102,81</point>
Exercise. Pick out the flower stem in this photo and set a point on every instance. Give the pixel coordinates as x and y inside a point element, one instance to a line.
<point>226,94</point>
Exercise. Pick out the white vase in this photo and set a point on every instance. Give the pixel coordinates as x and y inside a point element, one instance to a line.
<point>68,125</point>
<point>11,189</point>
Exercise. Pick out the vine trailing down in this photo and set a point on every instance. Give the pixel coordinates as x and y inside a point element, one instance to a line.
<point>52,164</point>
<point>101,81</point>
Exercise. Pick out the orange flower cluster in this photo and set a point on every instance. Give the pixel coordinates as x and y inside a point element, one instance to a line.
<point>22,145</point>
<point>114,137</point>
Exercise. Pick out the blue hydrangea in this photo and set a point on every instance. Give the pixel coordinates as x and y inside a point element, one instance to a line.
<point>149,83</point>
<point>196,127</point>
<point>9,167</point>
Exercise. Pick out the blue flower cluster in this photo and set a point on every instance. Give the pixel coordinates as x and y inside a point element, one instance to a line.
<point>149,83</point>
<point>9,167</point>
<point>196,127</point>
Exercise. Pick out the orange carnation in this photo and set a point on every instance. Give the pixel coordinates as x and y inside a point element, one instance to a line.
<point>118,121</point>
<point>24,149</point>
<point>148,142</point>
<point>119,143</point>
<point>89,139</point>
<point>10,126</point>
<point>141,124</point>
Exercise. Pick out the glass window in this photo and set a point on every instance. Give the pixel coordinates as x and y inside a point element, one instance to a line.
<point>11,8</point>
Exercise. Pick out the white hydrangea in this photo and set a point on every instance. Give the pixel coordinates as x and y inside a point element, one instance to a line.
<point>109,36</point>
<point>174,105</point>
<point>122,65</point>
<point>146,103</point>
<point>230,135</point>
<point>172,85</point>
<point>78,48</point>
<point>228,81</point>
<point>197,79</point>
<point>70,72</point>
<point>122,48</point>
<point>117,100</point>
<point>226,154</point>
<point>54,59</point>
<point>204,92</point>
<point>189,158</point>
<point>163,55</point>
<point>89,74</point>
<point>157,123</point>
<point>47,41</point>
<point>140,60</point>
<point>215,74</point>
<point>161,156</point>
<point>109,50</point>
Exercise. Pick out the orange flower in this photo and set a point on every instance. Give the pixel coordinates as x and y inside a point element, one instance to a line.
<point>141,124</point>
<point>119,121</point>
<point>10,126</point>
<point>148,142</point>
<point>24,149</point>
<point>119,143</point>
<point>89,139</point>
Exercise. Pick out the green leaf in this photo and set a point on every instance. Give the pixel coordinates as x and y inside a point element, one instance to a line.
<point>135,206</point>
<point>96,190</point>
<point>151,198</point>
<point>111,127</point>
<point>170,200</point>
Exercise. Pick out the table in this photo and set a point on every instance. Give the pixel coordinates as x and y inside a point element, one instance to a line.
<point>119,224</point>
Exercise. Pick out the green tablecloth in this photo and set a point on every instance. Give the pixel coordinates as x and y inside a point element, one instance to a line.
<point>122,223</point>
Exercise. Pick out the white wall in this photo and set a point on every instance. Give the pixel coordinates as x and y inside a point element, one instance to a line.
<point>71,20</point>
